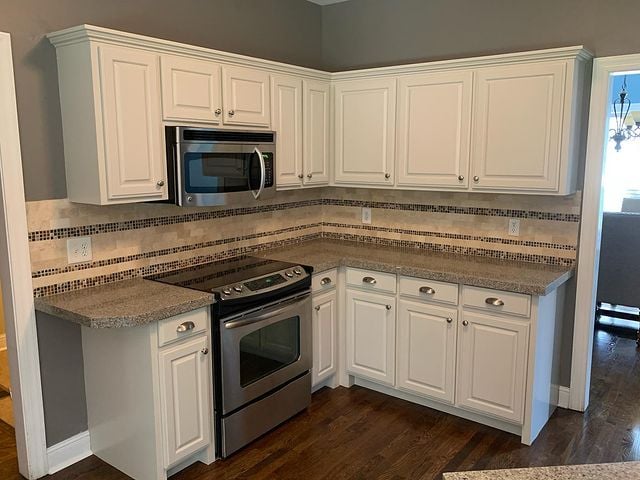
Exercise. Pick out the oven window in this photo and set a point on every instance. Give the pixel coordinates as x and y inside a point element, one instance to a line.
<point>208,172</point>
<point>269,349</point>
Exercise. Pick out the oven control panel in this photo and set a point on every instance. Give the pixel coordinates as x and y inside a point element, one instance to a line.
<point>263,284</point>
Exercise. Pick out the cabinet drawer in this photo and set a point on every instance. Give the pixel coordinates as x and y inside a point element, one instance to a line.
<point>429,290</point>
<point>324,281</point>
<point>496,301</point>
<point>182,326</point>
<point>378,281</point>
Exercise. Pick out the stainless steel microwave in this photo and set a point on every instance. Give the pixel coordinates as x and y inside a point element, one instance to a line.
<point>208,166</point>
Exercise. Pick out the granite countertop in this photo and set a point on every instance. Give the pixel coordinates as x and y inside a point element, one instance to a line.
<point>601,471</point>
<point>521,277</point>
<point>128,303</point>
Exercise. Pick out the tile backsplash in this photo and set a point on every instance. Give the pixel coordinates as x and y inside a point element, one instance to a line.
<point>140,239</point>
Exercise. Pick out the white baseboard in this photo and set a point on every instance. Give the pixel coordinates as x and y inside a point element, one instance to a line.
<point>68,452</point>
<point>3,342</point>
<point>563,397</point>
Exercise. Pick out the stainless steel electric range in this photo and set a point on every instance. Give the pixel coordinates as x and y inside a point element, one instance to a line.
<point>262,343</point>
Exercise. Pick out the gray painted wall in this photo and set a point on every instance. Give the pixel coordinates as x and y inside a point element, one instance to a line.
<point>62,372</point>
<point>283,30</point>
<point>363,33</point>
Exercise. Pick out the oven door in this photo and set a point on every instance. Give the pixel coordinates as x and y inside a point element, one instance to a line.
<point>218,173</point>
<point>264,349</point>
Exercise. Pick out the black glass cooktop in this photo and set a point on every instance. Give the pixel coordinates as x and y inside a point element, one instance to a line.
<point>211,277</point>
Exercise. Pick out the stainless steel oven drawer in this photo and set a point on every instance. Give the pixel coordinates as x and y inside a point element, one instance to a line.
<point>251,422</point>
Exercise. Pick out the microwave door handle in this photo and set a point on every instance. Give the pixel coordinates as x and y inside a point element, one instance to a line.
<point>262,173</point>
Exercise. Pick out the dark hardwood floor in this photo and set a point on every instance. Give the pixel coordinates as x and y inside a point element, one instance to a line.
<point>359,434</point>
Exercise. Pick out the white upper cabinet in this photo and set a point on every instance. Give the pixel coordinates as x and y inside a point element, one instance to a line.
<point>365,112</point>
<point>434,121</point>
<point>134,160</point>
<point>246,99</point>
<point>286,110</point>
<point>191,90</point>
<point>518,128</point>
<point>317,132</point>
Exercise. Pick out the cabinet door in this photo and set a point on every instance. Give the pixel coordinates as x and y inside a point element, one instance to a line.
<point>286,95</point>
<point>191,90</point>
<point>365,112</point>
<point>245,94</point>
<point>185,386</point>
<point>492,358</point>
<point>371,327</point>
<point>316,132</point>
<point>427,350</point>
<point>518,127</point>
<point>324,337</point>
<point>434,121</point>
<point>135,163</point>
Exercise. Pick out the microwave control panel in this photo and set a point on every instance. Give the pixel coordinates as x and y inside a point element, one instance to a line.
<point>268,169</point>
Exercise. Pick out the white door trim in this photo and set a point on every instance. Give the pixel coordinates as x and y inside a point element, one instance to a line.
<point>17,289</point>
<point>591,225</point>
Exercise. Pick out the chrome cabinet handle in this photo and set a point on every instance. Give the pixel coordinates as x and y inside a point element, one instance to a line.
<point>449,320</point>
<point>387,176</point>
<point>427,290</point>
<point>232,113</point>
<point>309,175</point>
<point>461,177</point>
<point>185,327</point>
<point>476,179</point>
<point>325,281</point>
<point>204,351</point>
<point>160,183</point>
<point>300,176</point>
<point>317,307</point>
<point>388,307</point>
<point>218,111</point>
<point>369,280</point>
<point>465,323</point>
<point>496,302</point>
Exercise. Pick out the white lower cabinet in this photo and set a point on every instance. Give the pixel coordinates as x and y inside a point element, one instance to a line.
<point>324,337</point>
<point>492,362</point>
<point>184,388</point>
<point>370,335</point>
<point>427,350</point>
<point>150,395</point>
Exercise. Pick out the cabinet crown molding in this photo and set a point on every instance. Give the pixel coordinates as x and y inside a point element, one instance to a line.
<point>87,33</point>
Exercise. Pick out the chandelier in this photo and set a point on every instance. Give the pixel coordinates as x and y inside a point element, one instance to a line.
<point>626,128</point>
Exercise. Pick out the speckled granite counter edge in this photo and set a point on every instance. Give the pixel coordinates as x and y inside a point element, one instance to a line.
<point>599,471</point>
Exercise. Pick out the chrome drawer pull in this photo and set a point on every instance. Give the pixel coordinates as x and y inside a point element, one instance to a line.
<point>325,281</point>
<point>427,290</point>
<point>185,327</point>
<point>496,302</point>
<point>369,280</point>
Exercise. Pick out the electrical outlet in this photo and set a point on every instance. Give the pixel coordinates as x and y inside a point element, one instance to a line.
<point>366,215</point>
<point>79,249</point>
<point>514,227</point>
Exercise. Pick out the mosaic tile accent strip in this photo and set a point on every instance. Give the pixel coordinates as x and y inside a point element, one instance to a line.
<point>127,225</point>
<point>83,230</point>
<point>482,211</point>
<point>436,247</point>
<point>454,236</point>
<point>163,267</point>
<point>166,251</point>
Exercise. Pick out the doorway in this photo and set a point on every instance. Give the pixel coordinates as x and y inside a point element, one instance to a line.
<point>604,167</point>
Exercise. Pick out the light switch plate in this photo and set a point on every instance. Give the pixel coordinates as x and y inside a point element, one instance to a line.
<point>79,249</point>
<point>514,227</point>
<point>366,215</point>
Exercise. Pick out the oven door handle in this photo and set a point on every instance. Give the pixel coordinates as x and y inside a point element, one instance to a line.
<point>266,315</point>
<point>262,173</point>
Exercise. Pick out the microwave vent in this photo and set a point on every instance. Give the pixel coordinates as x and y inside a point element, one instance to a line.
<point>203,135</point>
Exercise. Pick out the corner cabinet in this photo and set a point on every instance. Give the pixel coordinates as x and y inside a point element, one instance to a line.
<point>364,123</point>
<point>113,132</point>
